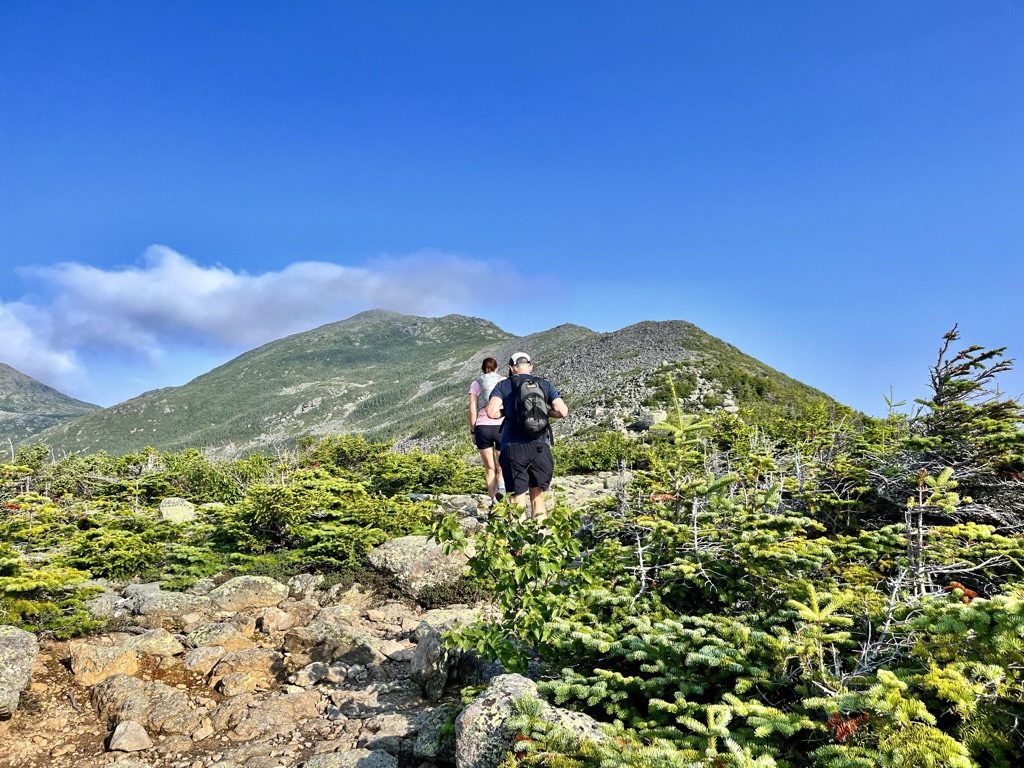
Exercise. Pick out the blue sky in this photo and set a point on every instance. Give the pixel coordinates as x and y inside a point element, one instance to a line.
<point>829,187</point>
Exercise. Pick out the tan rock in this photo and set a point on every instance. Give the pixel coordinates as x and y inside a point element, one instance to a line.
<point>155,642</point>
<point>202,660</point>
<point>219,634</point>
<point>129,736</point>
<point>91,664</point>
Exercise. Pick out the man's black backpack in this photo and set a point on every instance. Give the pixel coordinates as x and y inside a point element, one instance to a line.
<point>531,417</point>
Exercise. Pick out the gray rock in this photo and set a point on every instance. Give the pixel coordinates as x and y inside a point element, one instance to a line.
<point>415,563</point>
<point>222,634</point>
<point>273,620</point>
<point>129,736</point>
<point>310,675</point>
<point>482,735</point>
<point>248,592</point>
<point>469,525</point>
<point>304,585</point>
<point>356,758</point>
<point>156,706</point>
<point>431,664</point>
<point>202,587</point>
<point>18,650</point>
<point>275,717</point>
<point>383,698</point>
<point>334,642</point>
<point>443,619</point>
<point>104,605</point>
<point>177,510</point>
<point>150,600</point>
<point>390,732</point>
<point>436,739</point>
<point>464,503</point>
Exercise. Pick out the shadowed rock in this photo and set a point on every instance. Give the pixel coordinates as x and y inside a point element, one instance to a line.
<point>156,707</point>
<point>18,650</point>
<point>416,564</point>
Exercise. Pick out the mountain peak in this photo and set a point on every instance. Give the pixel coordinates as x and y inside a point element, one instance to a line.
<point>28,406</point>
<point>403,377</point>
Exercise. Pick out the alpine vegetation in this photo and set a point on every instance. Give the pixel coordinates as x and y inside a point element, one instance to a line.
<point>776,582</point>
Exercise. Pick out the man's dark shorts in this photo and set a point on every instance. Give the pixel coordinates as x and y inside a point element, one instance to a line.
<point>487,435</point>
<point>526,465</point>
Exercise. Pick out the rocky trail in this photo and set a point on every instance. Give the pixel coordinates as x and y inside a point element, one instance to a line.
<point>254,673</point>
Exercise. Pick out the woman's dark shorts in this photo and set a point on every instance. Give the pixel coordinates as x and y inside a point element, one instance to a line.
<point>487,436</point>
<point>525,466</point>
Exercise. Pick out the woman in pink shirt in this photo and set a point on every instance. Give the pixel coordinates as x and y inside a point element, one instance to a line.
<point>486,432</point>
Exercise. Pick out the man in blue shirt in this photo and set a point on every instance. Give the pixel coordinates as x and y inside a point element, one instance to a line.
<point>526,461</point>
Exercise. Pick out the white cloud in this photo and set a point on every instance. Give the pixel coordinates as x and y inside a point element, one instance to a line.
<point>26,344</point>
<point>171,301</point>
<point>171,298</point>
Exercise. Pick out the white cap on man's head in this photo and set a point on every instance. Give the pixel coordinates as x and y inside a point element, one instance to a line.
<point>519,357</point>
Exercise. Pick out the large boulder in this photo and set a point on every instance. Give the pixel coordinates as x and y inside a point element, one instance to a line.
<point>416,564</point>
<point>243,592</point>
<point>92,664</point>
<point>334,642</point>
<point>432,664</point>
<point>157,707</point>
<point>222,634</point>
<point>177,510</point>
<point>248,670</point>
<point>151,600</point>
<point>482,733</point>
<point>18,650</point>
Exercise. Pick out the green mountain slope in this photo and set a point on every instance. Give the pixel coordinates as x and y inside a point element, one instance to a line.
<point>401,377</point>
<point>28,407</point>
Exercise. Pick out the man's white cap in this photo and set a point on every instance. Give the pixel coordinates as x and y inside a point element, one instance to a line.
<point>519,357</point>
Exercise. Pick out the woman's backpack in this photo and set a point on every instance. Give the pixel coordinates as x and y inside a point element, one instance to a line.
<point>487,382</point>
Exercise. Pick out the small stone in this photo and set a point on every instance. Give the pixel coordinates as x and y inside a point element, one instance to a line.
<point>310,675</point>
<point>337,674</point>
<point>129,736</point>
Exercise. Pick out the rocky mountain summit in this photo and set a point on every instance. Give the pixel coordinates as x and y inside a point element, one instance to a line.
<point>404,378</point>
<point>254,673</point>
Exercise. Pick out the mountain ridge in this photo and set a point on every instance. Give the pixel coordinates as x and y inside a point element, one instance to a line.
<point>27,406</point>
<point>405,378</point>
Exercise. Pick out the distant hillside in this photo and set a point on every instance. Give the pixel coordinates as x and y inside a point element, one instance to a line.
<point>27,407</point>
<point>401,377</point>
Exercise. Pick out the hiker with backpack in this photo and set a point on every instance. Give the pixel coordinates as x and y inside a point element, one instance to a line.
<point>485,431</point>
<point>528,403</point>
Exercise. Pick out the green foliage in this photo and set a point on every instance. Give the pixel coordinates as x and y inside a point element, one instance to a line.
<point>534,571</point>
<point>112,553</point>
<point>418,472</point>
<point>603,452</point>
<point>968,425</point>
<point>796,587</point>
